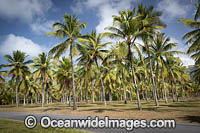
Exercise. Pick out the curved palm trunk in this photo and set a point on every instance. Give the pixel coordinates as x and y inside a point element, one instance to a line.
<point>103,90</point>
<point>165,95</point>
<point>16,89</point>
<point>146,97</point>
<point>24,100</point>
<point>73,83</point>
<point>176,92</point>
<point>153,81</point>
<point>134,78</point>
<point>110,95</point>
<point>183,94</point>
<point>93,101</point>
<point>131,94</point>
<point>43,90</point>
<point>173,96</point>
<point>125,98</point>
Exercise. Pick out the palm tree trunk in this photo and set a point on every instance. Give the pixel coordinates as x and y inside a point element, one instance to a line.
<point>165,95</point>
<point>110,95</point>
<point>43,90</point>
<point>153,83</point>
<point>131,95</point>
<point>121,94</point>
<point>31,100</point>
<point>134,78</point>
<point>16,89</point>
<point>24,100</point>
<point>93,101</point>
<point>152,79</point>
<point>73,83</point>
<point>86,95</point>
<point>125,98</point>
<point>146,98</point>
<point>103,90</point>
<point>173,96</point>
<point>36,99</point>
<point>183,94</point>
<point>81,94</point>
<point>176,92</point>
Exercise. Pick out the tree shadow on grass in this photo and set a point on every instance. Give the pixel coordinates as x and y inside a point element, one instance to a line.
<point>101,110</point>
<point>191,118</point>
<point>85,105</point>
<point>7,106</point>
<point>152,109</point>
<point>31,106</point>
<point>51,109</point>
<point>182,105</point>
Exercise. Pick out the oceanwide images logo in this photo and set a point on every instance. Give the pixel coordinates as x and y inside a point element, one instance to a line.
<point>96,122</point>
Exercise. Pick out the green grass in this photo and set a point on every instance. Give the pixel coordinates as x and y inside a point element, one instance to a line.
<point>14,126</point>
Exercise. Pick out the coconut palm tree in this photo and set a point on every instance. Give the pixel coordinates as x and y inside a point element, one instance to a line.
<point>70,30</point>
<point>117,55</point>
<point>42,65</point>
<point>126,26</point>
<point>91,52</point>
<point>193,37</point>
<point>18,68</point>
<point>63,74</point>
<point>160,49</point>
<point>150,21</point>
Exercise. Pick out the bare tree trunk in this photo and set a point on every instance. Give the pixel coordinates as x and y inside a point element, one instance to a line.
<point>176,92</point>
<point>153,81</point>
<point>24,100</point>
<point>173,96</point>
<point>93,101</point>
<point>183,94</point>
<point>145,90</point>
<point>73,83</point>
<point>102,85</point>
<point>36,99</point>
<point>86,95</point>
<point>124,87</point>
<point>143,97</point>
<point>121,94</point>
<point>134,78</point>
<point>154,85</point>
<point>31,100</point>
<point>69,98</point>
<point>16,89</point>
<point>110,95</point>
<point>131,95</point>
<point>81,95</point>
<point>165,95</point>
<point>47,95</point>
<point>43,90</point>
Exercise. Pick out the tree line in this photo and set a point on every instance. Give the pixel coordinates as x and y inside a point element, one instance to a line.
<point>127,70</point>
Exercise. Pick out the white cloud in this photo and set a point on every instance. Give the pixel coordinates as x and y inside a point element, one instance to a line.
<point>173,9</point>
<point>105,9</point>
<point>23,10</point>
<point>13,43</point>
<point>41,27</point>
<point>186,59</point>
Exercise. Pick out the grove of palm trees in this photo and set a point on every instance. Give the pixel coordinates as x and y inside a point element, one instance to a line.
<point>133,64</point>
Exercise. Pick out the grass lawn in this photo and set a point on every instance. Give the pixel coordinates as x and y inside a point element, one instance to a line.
<point>184,111</point>
<point>13,126</point>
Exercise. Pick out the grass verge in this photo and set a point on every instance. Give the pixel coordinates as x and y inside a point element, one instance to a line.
<point>14,126</point>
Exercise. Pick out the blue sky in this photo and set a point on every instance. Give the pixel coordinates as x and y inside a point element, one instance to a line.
<point>24,22</point>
